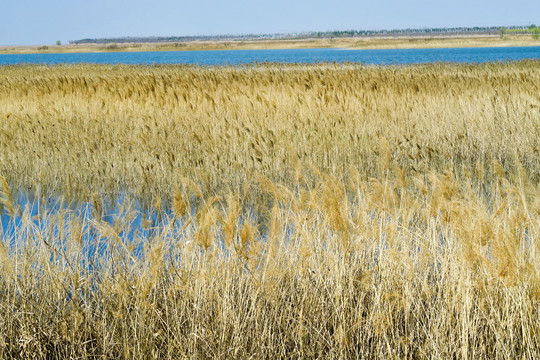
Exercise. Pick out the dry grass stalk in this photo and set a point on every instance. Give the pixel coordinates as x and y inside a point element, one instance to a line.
<point>325,211</point>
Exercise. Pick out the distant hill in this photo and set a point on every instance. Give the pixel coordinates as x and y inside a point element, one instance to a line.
<point>477,30</point>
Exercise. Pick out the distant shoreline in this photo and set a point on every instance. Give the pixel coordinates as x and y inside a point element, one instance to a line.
<point>355,43</point>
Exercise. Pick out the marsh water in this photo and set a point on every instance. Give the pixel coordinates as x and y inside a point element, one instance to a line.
<point>237,57</point>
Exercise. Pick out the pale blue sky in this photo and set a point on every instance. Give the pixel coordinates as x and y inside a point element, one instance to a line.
<point>32,22</point>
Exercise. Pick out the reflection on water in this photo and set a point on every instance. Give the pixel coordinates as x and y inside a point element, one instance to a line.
<point>90,233</point>
<point>94,229</point>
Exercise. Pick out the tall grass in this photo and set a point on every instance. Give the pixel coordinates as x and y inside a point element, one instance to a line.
<point>270,211</point>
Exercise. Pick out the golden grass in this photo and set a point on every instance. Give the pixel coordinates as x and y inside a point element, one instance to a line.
<point>389,42</point>
<point>270,211</point>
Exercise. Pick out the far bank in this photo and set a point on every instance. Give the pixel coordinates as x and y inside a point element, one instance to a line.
<point>416,42</point>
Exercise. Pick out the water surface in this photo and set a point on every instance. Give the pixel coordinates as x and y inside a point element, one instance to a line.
<point>236,57</point>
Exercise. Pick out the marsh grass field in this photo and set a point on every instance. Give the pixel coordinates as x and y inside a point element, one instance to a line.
<point>270,211</point>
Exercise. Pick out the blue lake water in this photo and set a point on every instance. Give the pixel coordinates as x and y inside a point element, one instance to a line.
<point>236,57</point>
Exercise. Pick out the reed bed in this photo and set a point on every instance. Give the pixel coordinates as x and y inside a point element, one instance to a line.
<point>270,211</point>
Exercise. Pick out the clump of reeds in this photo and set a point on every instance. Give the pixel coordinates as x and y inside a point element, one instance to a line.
<point>85,129</point>
<point>271,211</point>
<point>389,267</point>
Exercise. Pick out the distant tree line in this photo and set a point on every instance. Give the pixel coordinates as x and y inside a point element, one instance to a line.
<point>478,30</point>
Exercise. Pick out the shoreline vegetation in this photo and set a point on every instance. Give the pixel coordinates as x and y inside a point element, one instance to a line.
<point>270,211</point>
<point>381,42</point>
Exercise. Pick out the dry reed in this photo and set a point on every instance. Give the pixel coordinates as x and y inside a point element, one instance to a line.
<point>270,211</point>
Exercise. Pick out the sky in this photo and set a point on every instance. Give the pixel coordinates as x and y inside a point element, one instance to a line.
<point>26,22</point>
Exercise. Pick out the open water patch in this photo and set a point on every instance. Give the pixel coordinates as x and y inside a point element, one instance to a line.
<point>238,57</point>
